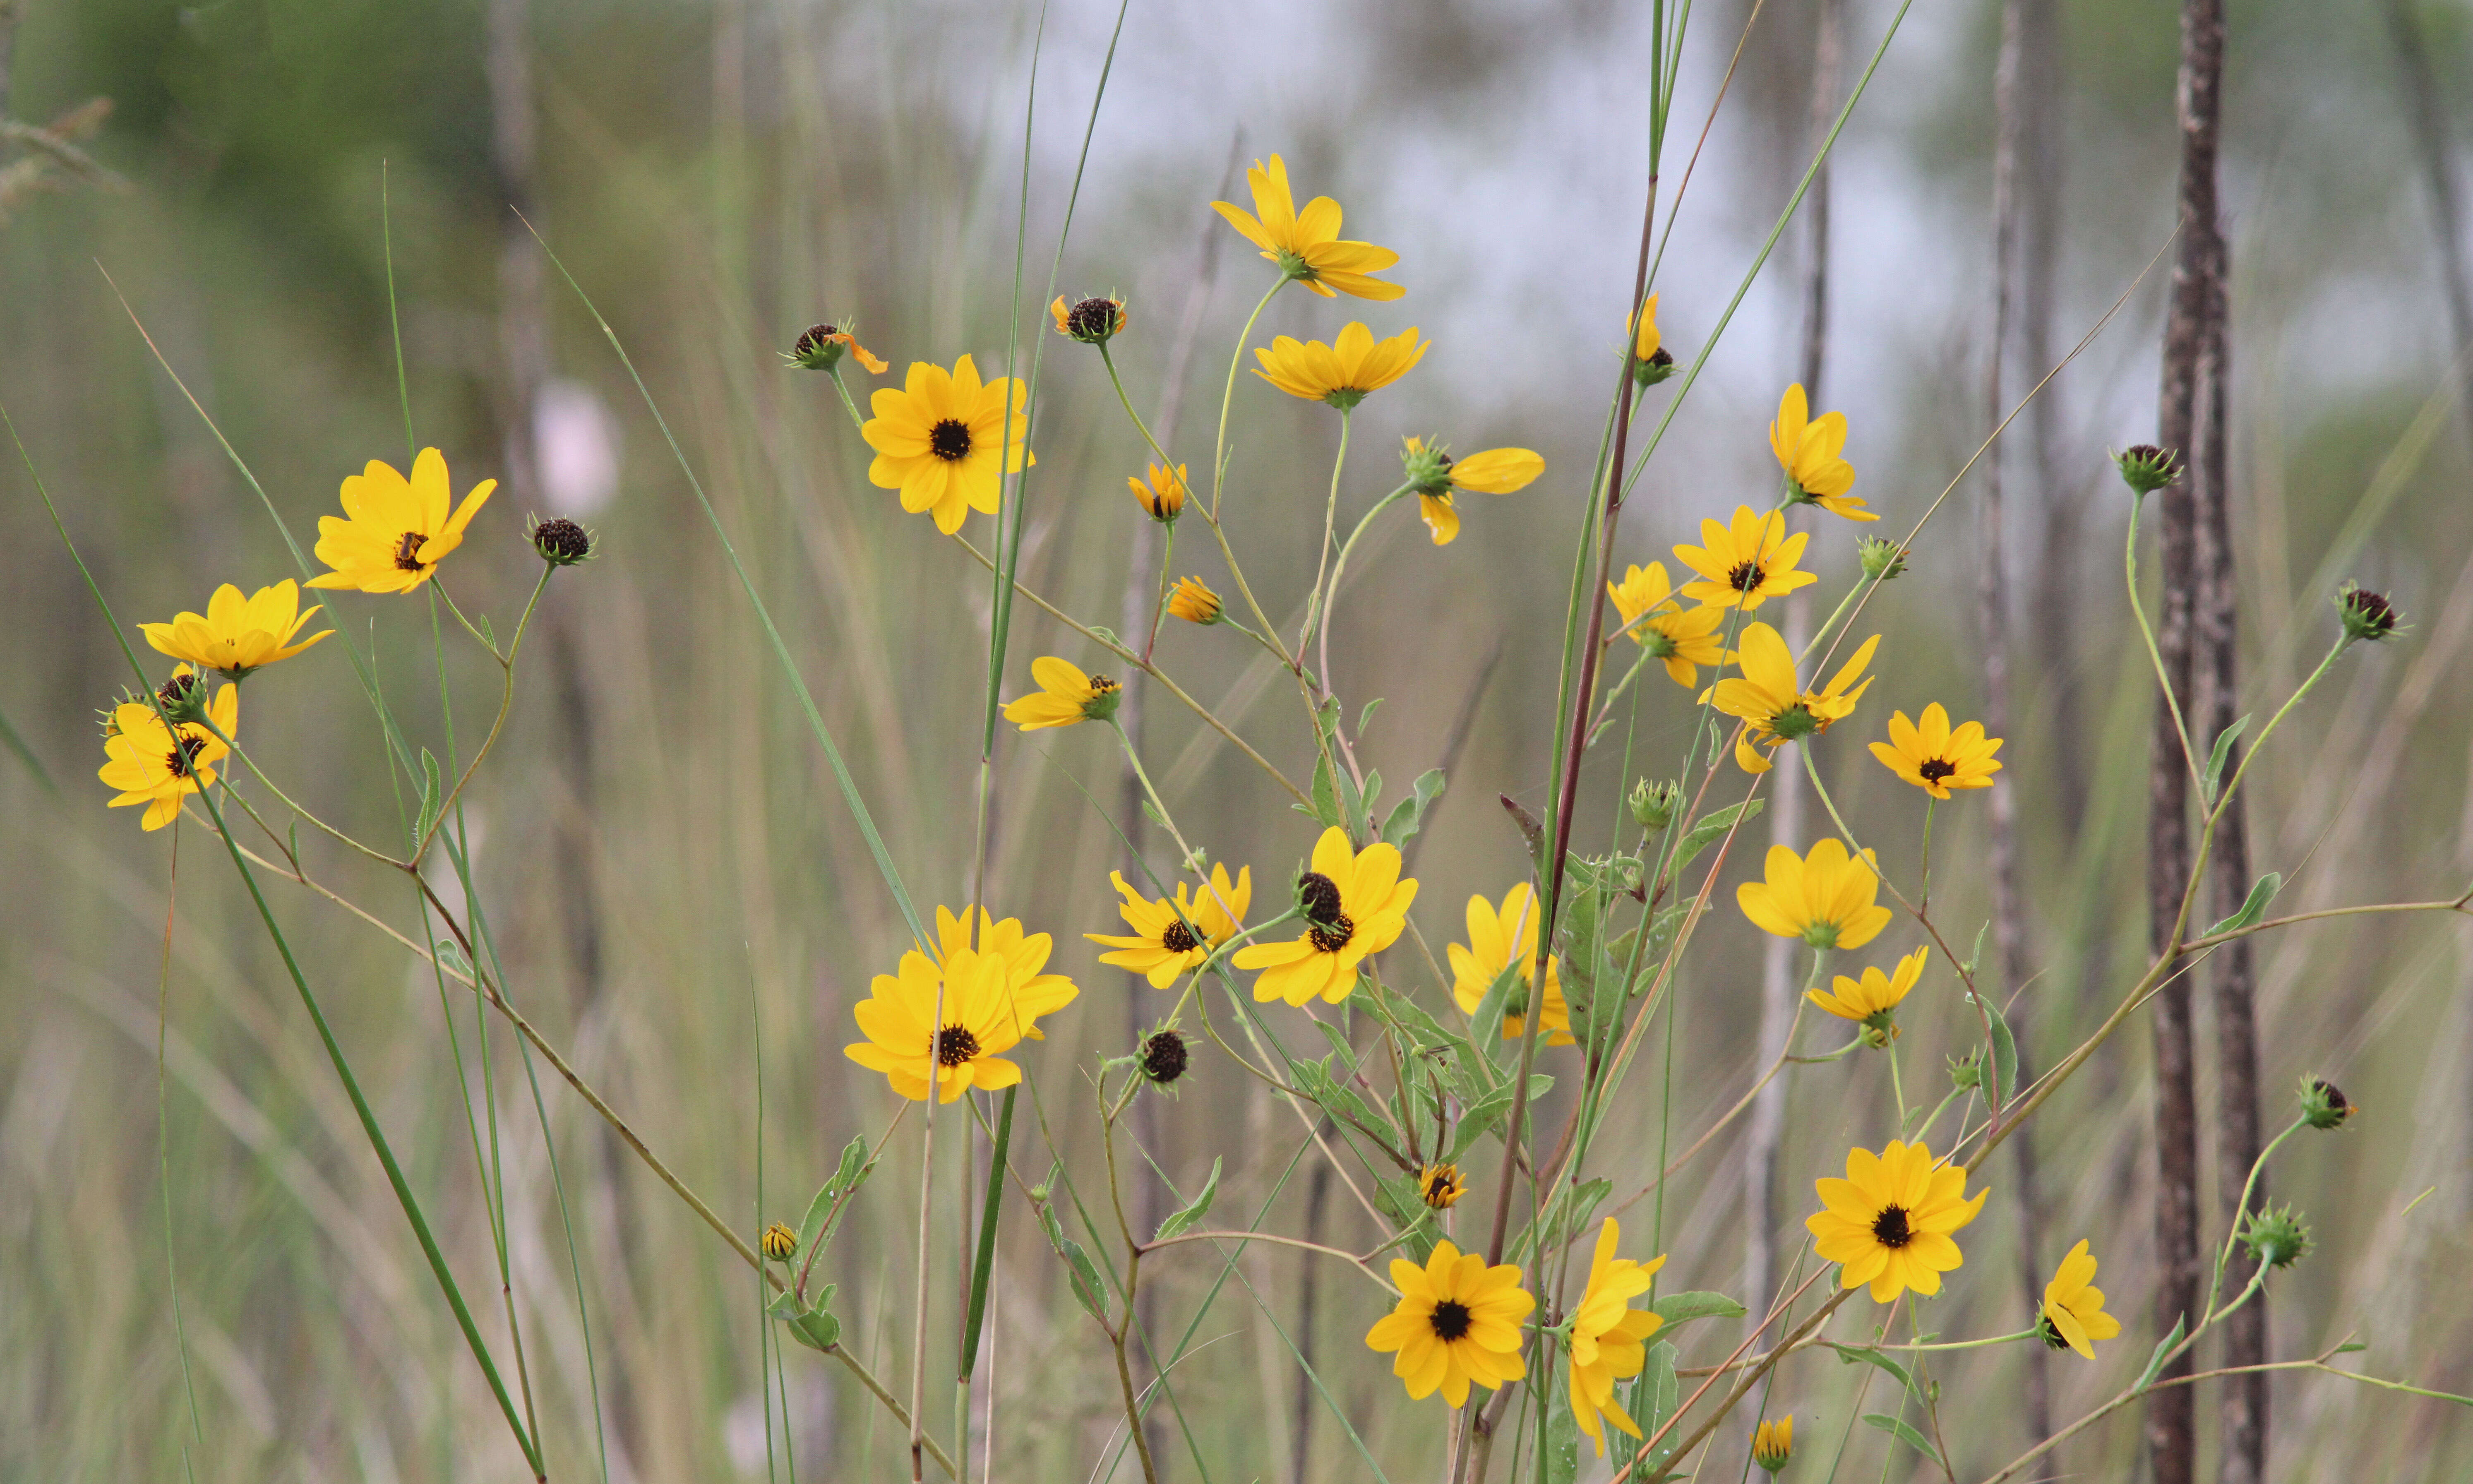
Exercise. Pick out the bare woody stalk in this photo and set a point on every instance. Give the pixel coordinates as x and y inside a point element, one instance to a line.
<point>2172,1442</point>
<point>2010,229</point>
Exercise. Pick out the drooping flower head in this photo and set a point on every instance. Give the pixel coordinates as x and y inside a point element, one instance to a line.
<point>1440,1186</point>
<point>1192,600</point>
<point>1807,450</point>
<point>1342,372</point>
<point>1306,243</point>
<point>943,440</point>
<point>1610,1338</point>
<point>1354,905</point>
<point>1889,1220</point>
<point>1772,705</point>
<point>1823,898</point>
<point>394,531</point>
<point>1029,991</point>
<point>916,1049</point>
<point>1499,939</point>
<point>1458,1322</point>
<point>1934,758</point>
<point>1654,618</point>
<point>2072,1315</point>
<point>1162,495</point>
<point>1434,474</point>
<point>1170,938</point>
<point>1093,322</point>
<point>1747,562</point>
<point>158,766</point>
<point>1065,696</point>
<point>236,635</point>
<point>1871,998</point>
<point>821,347</point>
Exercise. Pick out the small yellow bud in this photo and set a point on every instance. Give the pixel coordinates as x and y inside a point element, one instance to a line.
<point>779,1242</point>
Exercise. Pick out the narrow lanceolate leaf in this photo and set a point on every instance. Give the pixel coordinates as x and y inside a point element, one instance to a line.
<point>1079,1268</point>
<point>430,797</point>
<point>2005,1054</point>
<point>1409,815</point>
<point>2253,907</point>
<point>2223,751</point>
<point>1706,830</point>
<point>1185,1220</point>
<point>1915,1440</point>
<point>854,1169</point>
<point>1681,1309</point>
<point>1851,1353</point>
<point>2163,1349</point>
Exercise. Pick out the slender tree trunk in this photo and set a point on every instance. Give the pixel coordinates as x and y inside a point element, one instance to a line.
<point>2171,1416</point>
<point>1767,1127</point>
<point>2010,229</point>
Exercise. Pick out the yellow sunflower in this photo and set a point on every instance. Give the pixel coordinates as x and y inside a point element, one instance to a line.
<point>941,438</point>
<point>397,531</point>
<point>1306,243</point>
<point>1773,708</point>
<point>1162,496</point>
<point>1824,899</point>
<point>1656,619</point>
<point>1065,696</point>
<point>1934,758</point>
<point>1434,474</point>
<point>1458,1321</point>
<point>1029,993</point>
<point>1747,561</point>
<point>1342,372</point>
<point>1609,1339</point>
<point>1440,1186</point>
<point>1773,1444</point>
<point>1807,450</point>
<point>1871,998</point>
<point>1495,940</point>
<point>1354,905</point>
<point>1192,600</point>
<point>1889,1220</point>
<point>1170,938</point>
<point>906,1041</point>
<point>160,767</point>
<point>236,635</point>
<point>2073,1314</point>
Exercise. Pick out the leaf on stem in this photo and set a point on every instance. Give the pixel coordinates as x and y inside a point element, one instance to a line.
<point>1707,829</point>
<point>811,1324</point>
<point>2163,1350</point>
<point>1681,1309</point>
<point>2215,762</point>
<point>1185,1220</point>
<point>2253,907</point>
<point>1851,1353</point>
<point>1083,1272</point>
<point>1915,1440</point>
<point>1409,815</point>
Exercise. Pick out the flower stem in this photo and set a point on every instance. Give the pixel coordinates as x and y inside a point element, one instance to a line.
<point>2138,611</point>
<point>1228,396</point>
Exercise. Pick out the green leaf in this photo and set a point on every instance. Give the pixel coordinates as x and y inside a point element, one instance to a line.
<point>2253,907</point>
<point>1851,1353</point>
<point>431,797</point>
<point>1339,1042</point>
<point>489,636</point>
<point>811,1324</point>
<point>1079,1268</point>
<point>1653,1399</point>
<point>1409,815</point>
<point>1530,829</point>
<point>1487,1023</point>
<point>1887,1424</point>
<point>2223,754</point>
<point>2163,1349</point>
<point>1326,803</point>
<point>1314,1079</point>
<point>1397,1197</point>
<point>1477,1121</point>
<point>1681,1309</point>
<point>451,959</point>
<point>1372,791</point>
<point>854,1168</point>
<point>1191,1215</point>
<point>1562,1458</point>
<point>2350,1347</point>
<point>2005,1052</point>
<point>1365,718</point>
<point>1975,955</point>
<point>1706,829</point>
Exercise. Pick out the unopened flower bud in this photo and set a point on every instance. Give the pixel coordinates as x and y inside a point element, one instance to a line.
<point>2147,469</point>
<point>1653,804</point>
<point>560,541</point>
<point>779,1242</point>
<point>1967,1071</point>
<point>1773,1444</point>
<point>2323,1103</point>
<point>1165,1057</point>
<point>2277,1237</point>
<point>1439,1185</point>
<point>1883,560</point>
<point>1192,600</point>
<point>1162,494</point>
<point>2366,615</point>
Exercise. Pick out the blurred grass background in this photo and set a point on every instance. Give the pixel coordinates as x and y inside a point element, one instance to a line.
<point>661,852</point>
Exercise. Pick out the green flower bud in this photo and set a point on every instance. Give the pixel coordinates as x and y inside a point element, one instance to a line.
<point>2147,469</point>
<point>1883,560</point>
<point>1654,805</point>
<point>779,1242</point>
<point>2276,1236</point>
<point>2323,1103</point>
<point>1653,370</point>
<point>2366,615</point>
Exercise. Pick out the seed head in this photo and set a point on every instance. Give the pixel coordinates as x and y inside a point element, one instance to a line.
<point>560,541</point>
<point>2323,1103</point>
<point>1883,560</point>
<point>2276,1236</point>
<point>1164,1058</point>
<point>1093,322</point>
<point>779,1242</point>
<point>818,347</point>
<point>1425,467</point>
<point>2366,615</point>
<point>183,696</point>
<point>2147,469</point>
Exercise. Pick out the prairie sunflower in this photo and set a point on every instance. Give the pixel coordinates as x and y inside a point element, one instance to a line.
<point>1306,243</point>
<point>397,531</point>
<point>1889,1220</point>
<point>1770,703</point>
<point>1169,937</point>
<point>1440,1186</point>
<point>1609,1337</point>
<point>236,635</point>
<point>1747,562</point>
<point>1433,474</point>
<point>1773,1444</point>
<point>1934,758</point>
<point>2072,1313</point>
<point>1354,905</point>
<point>1342,372</point>
<point>1807,450</point>
<point>1871,998</point>
<point>1192,600</point>
<point>1162,496</point>
<point>1496,940</point>
<point>1656,619</point>
<point>905,1041</point>
<point>1065,696</point>
<point>1824,899</point>
<point>1458,1322</point>
<point>160,767</point>
<point>1093,322</point>
<point>1029,993</point>
<point>820,347</point>
<point>941,437</point>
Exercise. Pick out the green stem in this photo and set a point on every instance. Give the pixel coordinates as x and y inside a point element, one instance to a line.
<point>857,421</point>
<point>1228,396</point>
<point>2138,611</point>
<point>2258,744</point>
<point>2241,1207</point>
<point>1318,601</point>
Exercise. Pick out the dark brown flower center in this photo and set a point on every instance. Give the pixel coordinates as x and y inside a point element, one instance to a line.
<point>1441,1186</point>
<point>950,439</point>
<point>1093,318</point>
<point>182,758</point>
<point>1333,936</point>
<point>1889,1228</point>
<point>1163,1057</point>
<point>177,689</point>
<point>955,1047</point>
<point>815,337</point>
<point>1179,939</point>
<point>1937,769</point>
<point>1745,577</point>
<point>1449,1319</point>
<point>1319,897</point>
<point>407,551</point>
<point>2050,1333</point>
